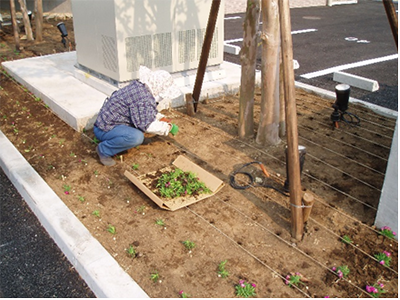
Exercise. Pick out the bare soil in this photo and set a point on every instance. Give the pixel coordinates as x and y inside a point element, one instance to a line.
<point>344,169</point>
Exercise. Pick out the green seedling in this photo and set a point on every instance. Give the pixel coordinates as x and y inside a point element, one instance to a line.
<point>96,213</point>
<point>154,276</point>
<point>160,222</point>
<point>72,154</point>
<point>135,166</point>
<point>189,245</point>
<point>346,239</point>
<point>81,198</point>
<point>222,272</point>
<point>67,189</point>
<point>111,229</point>
<point>131,251</point>
<point>95,141</point>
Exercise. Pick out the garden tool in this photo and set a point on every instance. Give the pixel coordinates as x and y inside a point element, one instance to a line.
<point>255,182</point>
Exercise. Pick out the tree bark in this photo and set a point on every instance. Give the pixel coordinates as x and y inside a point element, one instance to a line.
<point>39,20</point>
<point>248,58</point>
<point>268,128</point>
<point>14,25</point>
<point>27,23</point>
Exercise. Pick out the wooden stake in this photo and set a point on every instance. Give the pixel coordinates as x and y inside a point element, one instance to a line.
<point>291,122</point>
<point>205,51</point>
<point>308,201</point>
<point>189,104</point>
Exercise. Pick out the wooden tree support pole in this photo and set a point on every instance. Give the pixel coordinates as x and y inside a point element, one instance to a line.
<point>205,51</point>
<point>308,201</point>
<point>392,17</point>
<point>291,122</point>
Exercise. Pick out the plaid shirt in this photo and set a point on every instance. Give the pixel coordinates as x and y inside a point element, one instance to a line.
<point>133,105</point>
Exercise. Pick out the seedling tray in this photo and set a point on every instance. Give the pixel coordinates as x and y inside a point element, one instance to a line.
<point>211,181</point>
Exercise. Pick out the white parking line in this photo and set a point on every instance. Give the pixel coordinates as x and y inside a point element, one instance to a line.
<point>349,66</point>
<point>232,18</point>
<point>293,32</point>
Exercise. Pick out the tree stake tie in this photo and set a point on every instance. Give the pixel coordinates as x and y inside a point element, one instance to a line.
<point>301,206</point>
<point>252,180</point>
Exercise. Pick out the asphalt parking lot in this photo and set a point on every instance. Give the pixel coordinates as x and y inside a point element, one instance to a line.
<point>354,38</point>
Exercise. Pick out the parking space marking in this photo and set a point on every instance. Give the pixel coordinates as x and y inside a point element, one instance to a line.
<point>349,66</point>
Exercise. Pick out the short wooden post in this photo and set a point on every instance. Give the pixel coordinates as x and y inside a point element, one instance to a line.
<point>392,17</point>
<point>308,201</point>
<point>189,104</point>
<point>291,122</point>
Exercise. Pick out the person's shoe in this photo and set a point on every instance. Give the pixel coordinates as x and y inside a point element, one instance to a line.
<point>105,160</point>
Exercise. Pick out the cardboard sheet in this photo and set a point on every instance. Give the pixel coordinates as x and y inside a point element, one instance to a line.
<point>211,181</point>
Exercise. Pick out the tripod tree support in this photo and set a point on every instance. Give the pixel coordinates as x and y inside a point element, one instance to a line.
<point>291,122</point>
<point>205,51</point>
<point>392,17</point>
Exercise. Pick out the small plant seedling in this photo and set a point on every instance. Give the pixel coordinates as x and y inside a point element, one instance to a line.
<point>81,198</point>
<point>387,231</point>
<point>178,183</point>
<point>72,154</point>
<point>135,166</point>
<point>183,294</point>
<point>384,258</point>
<point>29,149</point>
<point>189,245</point>
<point>375,290</point>
<point>245,289</point>
<point>61,142</point>
<point>154,276</point>
<point>96,173</point>
<point>95,141</point>
<point>67,189</point>
<point>96,213</point>
<point>346,239</point>
<point>222,272</point>
<point>141,209</point>
<point>341,271</point>
<point>111,229</point>
<point>294,279</point>
<point>160,222</point>
<point>131,251</point>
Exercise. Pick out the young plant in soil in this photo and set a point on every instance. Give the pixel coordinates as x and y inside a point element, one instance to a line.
<point>189,245</point>
<point>131,251</point>
<point>341,271</point>
<point>222,272</point>
<point>245,289</point>
<point>346,239</point>
<point>295,279</point>
<point>183,294</point>
<point>160,222</point>
<point>154,276</point>
<point>384,258</point>
<point>178,183</point>
<point>375,290</point>
<point>387,231</point>
<point>96,213</point>
<point>111,229</point>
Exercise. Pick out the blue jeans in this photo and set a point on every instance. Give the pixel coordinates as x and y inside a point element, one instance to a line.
<point>118,139</point>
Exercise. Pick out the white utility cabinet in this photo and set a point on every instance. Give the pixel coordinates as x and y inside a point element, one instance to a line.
<point>114,37</point>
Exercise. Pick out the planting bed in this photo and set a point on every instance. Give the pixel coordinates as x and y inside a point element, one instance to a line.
<point>344,169</point>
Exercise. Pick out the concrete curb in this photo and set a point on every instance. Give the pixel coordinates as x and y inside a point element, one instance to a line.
<point>95,265</point>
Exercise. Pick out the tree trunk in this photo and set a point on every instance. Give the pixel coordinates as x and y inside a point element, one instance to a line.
<point>14,24</point>
<point>268,128</point>
<point>27,23</point>
<point>248,56</point>
<point>39,20</point>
